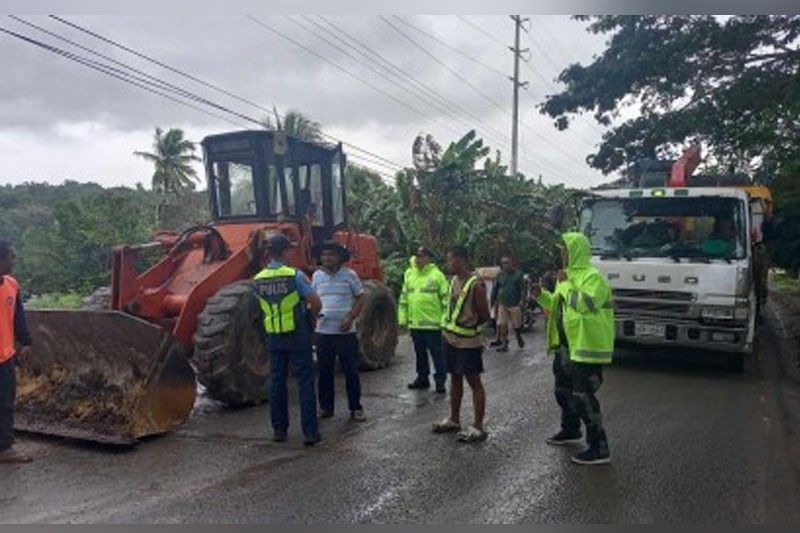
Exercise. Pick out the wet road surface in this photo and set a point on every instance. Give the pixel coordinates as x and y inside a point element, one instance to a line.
<point>691,442</point>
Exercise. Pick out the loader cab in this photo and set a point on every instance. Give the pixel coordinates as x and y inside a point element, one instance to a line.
<point>268,176</point>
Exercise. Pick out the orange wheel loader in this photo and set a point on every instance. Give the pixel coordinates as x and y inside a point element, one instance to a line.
<point>117,375</point>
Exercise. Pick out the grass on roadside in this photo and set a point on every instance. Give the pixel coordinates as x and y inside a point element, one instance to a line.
<point>783,282</point>
<point>66,300</point>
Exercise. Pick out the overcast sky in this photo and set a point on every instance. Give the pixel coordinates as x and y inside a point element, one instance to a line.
<point>60,120</point>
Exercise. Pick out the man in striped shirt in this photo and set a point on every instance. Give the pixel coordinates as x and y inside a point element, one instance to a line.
<point>342,297</point>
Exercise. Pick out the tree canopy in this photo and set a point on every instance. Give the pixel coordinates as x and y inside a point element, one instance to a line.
<point>732,83</point>
<point>294,124</point>
<point>172,159</point>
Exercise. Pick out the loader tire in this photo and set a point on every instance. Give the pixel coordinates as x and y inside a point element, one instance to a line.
<point>230,357</point>
<point>377,327</point>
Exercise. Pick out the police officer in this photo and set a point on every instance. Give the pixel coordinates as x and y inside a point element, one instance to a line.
<point>423,301</point>
<point>286,298</point>
<point>580,332</point>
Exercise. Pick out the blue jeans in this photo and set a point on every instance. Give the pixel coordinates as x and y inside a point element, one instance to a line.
<point>426,341</point>
<point>294,348</point>
<point>346,348</point>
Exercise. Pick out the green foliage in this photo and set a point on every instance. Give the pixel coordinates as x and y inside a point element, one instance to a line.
<point>172,159</point>
<point>68,300</point>
<point>75,253</point>
<point>455,196</point>
<point>785,250</point>
<point>732,83</point>
<point>786,283</point>
<point>295,124</point>
<point>64,233</point>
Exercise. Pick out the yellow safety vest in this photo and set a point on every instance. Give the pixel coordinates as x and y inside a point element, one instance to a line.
<point>279,298</point>
<point>454,311</point>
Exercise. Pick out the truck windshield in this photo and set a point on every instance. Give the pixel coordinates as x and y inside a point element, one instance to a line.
<point>700,228</point>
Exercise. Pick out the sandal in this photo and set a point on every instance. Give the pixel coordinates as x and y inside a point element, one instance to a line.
<point>472,434</point>
<point>446,426</point>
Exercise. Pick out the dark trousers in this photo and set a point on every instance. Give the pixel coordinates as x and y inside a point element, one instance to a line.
<point>295,350</point>
<point>429,341</point>
<point>7,393</point>
<point>576,385</point>
<point>345,347</point>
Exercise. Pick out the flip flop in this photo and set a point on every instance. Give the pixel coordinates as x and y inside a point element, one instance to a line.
<point>446,426</point>
<point>472,434</point>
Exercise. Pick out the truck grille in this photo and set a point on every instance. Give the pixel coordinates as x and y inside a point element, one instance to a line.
<point>644,302</point>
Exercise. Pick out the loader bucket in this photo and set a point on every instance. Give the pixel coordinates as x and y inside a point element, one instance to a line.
<point>102,376</point>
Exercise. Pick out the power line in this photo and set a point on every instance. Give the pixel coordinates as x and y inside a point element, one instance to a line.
<point>453,48</point>
<point>204,83</point>
<point>347,72</point>
<point>459,76</point>
<point>112,72</point>
<point>358,59</point>
<point>159,63</point>
<point>138,81</point>
<point>428,94</point>
<point>441,63</point>
<point>481,30</point>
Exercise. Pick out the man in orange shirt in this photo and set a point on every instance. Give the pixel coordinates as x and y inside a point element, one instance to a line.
<point>13,330</point>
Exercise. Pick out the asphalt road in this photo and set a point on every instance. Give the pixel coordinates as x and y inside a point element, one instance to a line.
<point>691,442</point>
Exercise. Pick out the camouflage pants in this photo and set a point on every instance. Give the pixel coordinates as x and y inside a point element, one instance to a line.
<point>576,385</point>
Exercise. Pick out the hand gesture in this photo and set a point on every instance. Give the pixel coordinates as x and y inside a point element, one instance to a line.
<point>536,289</point>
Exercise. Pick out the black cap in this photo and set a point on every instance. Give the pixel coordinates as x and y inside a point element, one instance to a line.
<point>333,246</point>
<point>278,243</point>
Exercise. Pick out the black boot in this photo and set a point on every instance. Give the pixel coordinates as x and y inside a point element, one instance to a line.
<point>419,383</point>
<point>565,437</point>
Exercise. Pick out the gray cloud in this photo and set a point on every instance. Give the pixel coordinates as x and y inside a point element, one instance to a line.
<point>42,94</point>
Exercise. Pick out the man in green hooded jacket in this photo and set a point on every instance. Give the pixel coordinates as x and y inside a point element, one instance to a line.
<point>422,304</point>
<point>580,333</point>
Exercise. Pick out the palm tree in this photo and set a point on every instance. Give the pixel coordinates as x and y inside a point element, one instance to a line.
<point>295,124</point>
<point>172,157</point>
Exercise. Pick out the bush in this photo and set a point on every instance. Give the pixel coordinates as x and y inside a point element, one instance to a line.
<point>67,300</point>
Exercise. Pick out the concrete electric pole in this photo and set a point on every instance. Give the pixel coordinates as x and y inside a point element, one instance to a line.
<point>518,25</point>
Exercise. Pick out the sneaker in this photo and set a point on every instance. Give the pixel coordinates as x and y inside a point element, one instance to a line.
<point>563,438</point>
<point>311,441</point>
<point>592,457</point>
<point>358,416</point>
<point>279,436</point>
<point>503,348</point>
<point>441,389</point>
<point>325,414</point>
<point>495,343</point>
<point>419,384</point>
<point>12,456</point>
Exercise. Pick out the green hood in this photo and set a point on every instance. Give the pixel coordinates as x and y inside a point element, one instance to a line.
<point>579,251</point>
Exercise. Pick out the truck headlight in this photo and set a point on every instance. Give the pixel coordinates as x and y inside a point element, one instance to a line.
<point>742,314</point>
<point>718,313</point>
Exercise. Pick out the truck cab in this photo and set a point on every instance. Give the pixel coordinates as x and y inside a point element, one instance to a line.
<point>680,262</point>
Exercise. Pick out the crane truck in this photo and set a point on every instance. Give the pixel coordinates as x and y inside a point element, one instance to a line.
<point>684,256</point>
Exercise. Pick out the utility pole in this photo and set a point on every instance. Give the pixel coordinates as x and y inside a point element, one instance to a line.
<point>518,25</point>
